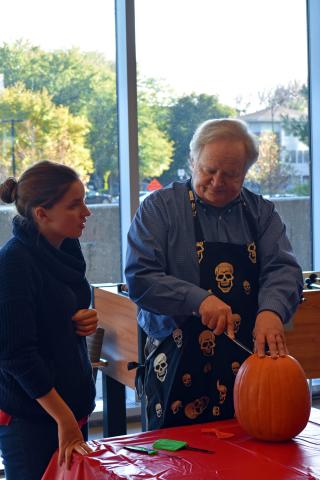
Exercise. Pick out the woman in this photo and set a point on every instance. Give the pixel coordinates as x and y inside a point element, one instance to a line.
<point>46,385</point>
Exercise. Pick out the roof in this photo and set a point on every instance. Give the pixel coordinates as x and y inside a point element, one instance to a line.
<point>265,115</point>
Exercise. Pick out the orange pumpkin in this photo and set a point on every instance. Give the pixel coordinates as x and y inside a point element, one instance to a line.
<point>271,398</point>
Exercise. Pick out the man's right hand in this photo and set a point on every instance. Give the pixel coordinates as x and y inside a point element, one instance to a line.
<point>217,315</point>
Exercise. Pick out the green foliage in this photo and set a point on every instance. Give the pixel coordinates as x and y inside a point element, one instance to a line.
<point>71,77</point>
<point>68,103</point>
<point>295,97</point>
<point>185,115</point>
<point>157,96</point>
<point>85,83</point>
<point>46,131</point>
<point>271,175</point>
<point>103,136</point>
<point>301,190</point>
<point>155,147</point>
<point>298,127</point>
<point>155,151</point>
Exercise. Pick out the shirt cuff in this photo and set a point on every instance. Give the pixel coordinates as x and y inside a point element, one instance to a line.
<point>277,309</point>
<point>194,298</point>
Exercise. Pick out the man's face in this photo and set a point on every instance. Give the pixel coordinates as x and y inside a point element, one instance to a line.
<point>219,172</point>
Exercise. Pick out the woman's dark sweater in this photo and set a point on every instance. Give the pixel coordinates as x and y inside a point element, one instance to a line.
<point>41,288</point>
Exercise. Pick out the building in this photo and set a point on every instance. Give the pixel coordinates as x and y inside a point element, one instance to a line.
<point>293,151</point>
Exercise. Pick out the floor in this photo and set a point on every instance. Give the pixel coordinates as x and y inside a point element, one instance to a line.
<point>96,432</point>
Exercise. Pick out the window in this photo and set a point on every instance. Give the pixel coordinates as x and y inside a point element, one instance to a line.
<point>64,66</point>
<point>213,64</point>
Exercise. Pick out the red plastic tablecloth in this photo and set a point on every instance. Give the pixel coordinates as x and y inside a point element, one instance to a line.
<point>237,458</point>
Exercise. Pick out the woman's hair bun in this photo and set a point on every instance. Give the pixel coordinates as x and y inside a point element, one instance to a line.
<point>8,190</point>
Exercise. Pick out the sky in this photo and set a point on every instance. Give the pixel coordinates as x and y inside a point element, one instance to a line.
<point>229,48</point>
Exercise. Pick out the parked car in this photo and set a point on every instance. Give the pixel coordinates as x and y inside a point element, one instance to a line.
<point>92,196</point>
<point>97,197</point>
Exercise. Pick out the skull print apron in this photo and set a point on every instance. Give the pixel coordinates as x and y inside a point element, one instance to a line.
<point>189,376</point>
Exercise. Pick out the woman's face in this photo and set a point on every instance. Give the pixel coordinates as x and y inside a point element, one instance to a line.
<point>219,172</point>
<point>67,218</point>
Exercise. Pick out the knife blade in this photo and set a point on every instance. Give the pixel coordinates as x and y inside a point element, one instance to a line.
<point>237,342</point>
<point>196,449</point>
<point>175,445</point>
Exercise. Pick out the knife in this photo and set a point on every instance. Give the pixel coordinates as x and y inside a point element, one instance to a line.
<point>147,451</point>
<point>237,342</point>
<point>139,449</point>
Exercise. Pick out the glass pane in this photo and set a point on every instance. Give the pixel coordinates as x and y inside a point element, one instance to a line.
<point>58,102</point>
<point>211,59</point>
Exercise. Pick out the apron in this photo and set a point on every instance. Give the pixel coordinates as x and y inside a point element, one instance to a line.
<point>189,376</point>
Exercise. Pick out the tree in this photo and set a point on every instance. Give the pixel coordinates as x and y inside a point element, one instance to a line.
<point>71,77</point>
<point>158,96</point>
<point>295,97</point>
<point>103,136</point>
<point>155,150</point>
<point>83,82</point>
<point>299,127</point>
<point>155,146</point>
<point>185,115</point>
<point>86,83</point>
<point>285,95</point>
<point>268,171</point>
<point>44,131</point>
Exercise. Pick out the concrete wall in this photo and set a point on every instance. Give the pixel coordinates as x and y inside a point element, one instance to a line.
<point>101,244</point>
<point>101,238</point>
<point>100,241</point>
<point>295,212</point>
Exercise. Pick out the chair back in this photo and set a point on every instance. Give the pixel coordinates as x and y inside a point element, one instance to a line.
<point>94,344</point>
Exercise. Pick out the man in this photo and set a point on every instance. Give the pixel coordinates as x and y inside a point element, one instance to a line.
<point>207,257</point>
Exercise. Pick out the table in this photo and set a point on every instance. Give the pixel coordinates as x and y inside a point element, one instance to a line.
<point>239,457</point>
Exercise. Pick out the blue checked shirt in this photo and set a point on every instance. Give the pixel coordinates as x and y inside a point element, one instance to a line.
<point>162,270</point>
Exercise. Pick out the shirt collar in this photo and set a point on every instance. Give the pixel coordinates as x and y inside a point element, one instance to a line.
<point>206,205</point>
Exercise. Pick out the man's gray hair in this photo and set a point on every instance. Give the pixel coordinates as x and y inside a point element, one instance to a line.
<point>224,129</point>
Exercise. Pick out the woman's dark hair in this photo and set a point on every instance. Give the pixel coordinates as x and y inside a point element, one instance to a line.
<point>43,184</point>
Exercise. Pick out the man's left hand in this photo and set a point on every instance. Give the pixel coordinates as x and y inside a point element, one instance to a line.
<point>86,321</point>
<point>269,330</point>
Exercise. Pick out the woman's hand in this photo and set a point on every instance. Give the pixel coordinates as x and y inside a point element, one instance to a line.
<point>86,321</point>
<point>269,330</point>
<point>70,440</point>
<point>69,434</point>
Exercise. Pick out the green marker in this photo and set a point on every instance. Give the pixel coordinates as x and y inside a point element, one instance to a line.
<point>139,449</point>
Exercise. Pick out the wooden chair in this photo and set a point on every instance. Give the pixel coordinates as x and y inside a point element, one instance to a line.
<point>94,344</point>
